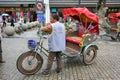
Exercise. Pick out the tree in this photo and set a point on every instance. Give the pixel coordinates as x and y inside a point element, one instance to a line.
<point>101,11</point>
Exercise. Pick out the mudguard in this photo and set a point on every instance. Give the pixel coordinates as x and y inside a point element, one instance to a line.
<point>84,48</point>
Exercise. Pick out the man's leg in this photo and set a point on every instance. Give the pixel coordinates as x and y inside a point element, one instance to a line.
<point>1,60</point>
<point>59,62</point>
<point>49,63</point>
<point>0,51</point>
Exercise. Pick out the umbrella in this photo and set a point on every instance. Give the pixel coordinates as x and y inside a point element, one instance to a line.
<point>5,14</point>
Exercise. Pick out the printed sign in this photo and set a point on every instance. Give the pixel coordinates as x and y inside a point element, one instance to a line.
<point>40,17</point>
<point>39,7</point>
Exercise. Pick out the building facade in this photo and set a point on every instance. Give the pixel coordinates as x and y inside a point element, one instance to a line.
<point>26,5</point>
<point>15,7</point>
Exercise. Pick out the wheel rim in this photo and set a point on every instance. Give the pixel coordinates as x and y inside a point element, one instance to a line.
<point>90,55</point>
<point>118,38</point>
<point>29,63</point>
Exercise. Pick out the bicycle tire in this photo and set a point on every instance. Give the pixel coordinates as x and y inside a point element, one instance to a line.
<point>22,57</point>
<point>118,36</point>
<point>87,53</point>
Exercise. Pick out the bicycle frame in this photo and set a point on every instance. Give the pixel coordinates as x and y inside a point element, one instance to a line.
<point>40,47</point>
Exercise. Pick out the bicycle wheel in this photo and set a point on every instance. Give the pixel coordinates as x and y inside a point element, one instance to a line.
<point>29,63</point>
<point>118,36</point>
<point>89,55</point>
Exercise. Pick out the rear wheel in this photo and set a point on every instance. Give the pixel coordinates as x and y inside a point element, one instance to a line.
<point>89,55</point>
<point>118,36</point>
<point>29,63</point>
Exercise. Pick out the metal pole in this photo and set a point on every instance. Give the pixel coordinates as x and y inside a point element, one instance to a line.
<point>47,11</point>
<point>79,1</point>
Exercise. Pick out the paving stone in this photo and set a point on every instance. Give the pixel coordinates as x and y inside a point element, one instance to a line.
<point>105,67</point>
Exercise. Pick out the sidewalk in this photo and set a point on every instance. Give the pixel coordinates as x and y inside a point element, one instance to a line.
<point>106,66</point>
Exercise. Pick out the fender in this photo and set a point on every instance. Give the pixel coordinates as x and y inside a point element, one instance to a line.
<point>84,48</point>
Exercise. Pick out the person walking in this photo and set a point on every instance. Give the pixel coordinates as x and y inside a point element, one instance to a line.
<point>1,59</point>
<point>56,43</point>
<point>12,21</point>
<point>4,21</point>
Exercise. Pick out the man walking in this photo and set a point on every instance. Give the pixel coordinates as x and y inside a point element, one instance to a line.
<point>12,21</point>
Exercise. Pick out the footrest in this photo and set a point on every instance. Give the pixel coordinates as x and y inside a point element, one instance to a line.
<point>71,52</point>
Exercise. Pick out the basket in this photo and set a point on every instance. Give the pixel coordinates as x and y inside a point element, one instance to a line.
<point>32,43</point>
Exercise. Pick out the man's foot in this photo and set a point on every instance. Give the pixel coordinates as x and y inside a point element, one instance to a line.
<point>1,61</point>
<point>45,73</point>
<point>58,70</point>
<point>3,36</point>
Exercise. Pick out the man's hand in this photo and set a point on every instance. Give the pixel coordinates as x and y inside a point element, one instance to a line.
<point>47,29</point>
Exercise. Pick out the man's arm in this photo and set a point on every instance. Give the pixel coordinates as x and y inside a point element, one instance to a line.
<point>47,29</point>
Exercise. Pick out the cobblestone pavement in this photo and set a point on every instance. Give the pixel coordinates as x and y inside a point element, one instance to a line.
<point>105,67</point>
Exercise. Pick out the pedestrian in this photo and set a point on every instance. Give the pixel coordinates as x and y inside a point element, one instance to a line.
<point>31,18</point>
<point>12,21</point>
<point>1,59</point>
<point>25,19</point>
<point>56,43</point>
<point>21,19</point>
<point>2,32</point>
<point>4,21</point>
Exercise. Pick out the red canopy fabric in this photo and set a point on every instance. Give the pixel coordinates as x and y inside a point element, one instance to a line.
<point>118,14</point>
<point>80,12</point>
<point>113,15</point>
<point>85,16</point>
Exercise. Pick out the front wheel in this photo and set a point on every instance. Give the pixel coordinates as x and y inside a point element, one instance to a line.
<point>29,63</point>
<point>89,55</point>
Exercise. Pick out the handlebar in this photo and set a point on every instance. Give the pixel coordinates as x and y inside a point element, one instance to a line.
<point>42,34</point>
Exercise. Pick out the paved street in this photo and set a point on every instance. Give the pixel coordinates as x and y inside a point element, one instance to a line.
<point>106,66</point>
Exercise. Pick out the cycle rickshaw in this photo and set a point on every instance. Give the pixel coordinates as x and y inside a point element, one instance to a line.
<point>78,43</point>
<point>114,30</point>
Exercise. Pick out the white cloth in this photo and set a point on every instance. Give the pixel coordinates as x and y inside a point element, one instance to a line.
<point>56,41</point>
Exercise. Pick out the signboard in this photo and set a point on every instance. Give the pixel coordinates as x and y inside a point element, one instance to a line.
<point>53,10</point>
<point>39,7</point>
<point>41,17</point>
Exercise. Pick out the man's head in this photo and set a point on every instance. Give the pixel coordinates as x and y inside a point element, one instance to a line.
<point>54,17</point>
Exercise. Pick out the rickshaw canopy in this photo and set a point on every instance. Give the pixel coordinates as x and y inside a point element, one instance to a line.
<point>85,16</point>
<point>114,17</point>
<point>81,13</point>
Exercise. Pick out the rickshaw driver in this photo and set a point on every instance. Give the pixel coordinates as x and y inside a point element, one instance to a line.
<point>56,43</point>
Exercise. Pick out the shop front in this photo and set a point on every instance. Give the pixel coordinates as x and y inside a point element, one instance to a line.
<point>17,12</point>
<point>26,8</point>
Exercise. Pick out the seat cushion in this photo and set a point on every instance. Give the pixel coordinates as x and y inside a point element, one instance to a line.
<point>75,39</point>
